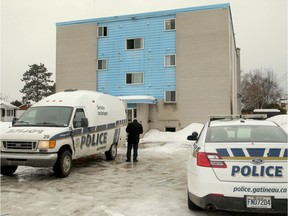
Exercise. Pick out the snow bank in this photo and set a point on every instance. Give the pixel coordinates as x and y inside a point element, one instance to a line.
<point>281,120</point>
<point>154,135</point>
<point>5,125</point>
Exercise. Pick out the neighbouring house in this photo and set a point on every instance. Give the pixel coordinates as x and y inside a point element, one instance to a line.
<point>8,111</point>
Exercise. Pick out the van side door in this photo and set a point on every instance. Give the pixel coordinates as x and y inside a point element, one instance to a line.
<point>78,132</point>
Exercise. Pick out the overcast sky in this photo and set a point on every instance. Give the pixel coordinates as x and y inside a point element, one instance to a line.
<point>28,32</point>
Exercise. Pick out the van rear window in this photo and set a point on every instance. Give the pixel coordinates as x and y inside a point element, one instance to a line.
<point>271,134</point>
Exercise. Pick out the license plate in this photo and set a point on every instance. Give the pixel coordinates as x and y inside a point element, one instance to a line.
<point>258,202</point>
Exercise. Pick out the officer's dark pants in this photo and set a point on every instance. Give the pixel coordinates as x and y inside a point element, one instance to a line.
<point>135,150</point>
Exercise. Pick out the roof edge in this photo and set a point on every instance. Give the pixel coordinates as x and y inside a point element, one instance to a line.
<point>143,15</point>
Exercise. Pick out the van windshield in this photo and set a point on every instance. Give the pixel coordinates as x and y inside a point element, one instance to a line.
<point>48,116</point>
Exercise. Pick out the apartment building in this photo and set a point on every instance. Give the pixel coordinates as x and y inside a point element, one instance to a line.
<point>172,67</point>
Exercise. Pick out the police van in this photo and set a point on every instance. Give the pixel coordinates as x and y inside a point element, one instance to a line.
<point>238,164</point>
<point>62,127</point>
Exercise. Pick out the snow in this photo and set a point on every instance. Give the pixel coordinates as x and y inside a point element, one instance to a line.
<point>137,97</point>
<point>281,120</point>
<point>5,125</point>
<point>154,135</point>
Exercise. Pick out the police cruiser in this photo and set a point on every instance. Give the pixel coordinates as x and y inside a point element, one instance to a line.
<point>238,164</point>
<point>62,127</point>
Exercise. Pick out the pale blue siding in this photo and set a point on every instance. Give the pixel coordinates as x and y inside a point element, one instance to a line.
<point>150,60</point>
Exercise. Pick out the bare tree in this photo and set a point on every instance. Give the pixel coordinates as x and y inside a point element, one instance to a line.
<point>259,87</point>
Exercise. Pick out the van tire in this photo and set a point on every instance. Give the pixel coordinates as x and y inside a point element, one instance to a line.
<point>62,168</point>
<point>8,170</point>
<point>112,153</point>
<point>193,206</point>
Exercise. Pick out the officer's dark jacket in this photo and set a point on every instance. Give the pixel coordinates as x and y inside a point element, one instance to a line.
<point>134,129</point>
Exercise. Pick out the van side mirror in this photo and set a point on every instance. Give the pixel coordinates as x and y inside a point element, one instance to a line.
<point>84,122</point>
<point>194,136</point>
<point>14,120</point>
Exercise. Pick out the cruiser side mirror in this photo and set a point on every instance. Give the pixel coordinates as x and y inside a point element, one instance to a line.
<point>84,122</point>
<point>194,136</point>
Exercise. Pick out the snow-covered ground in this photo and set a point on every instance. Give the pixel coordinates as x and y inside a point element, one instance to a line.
<point>155,186</point>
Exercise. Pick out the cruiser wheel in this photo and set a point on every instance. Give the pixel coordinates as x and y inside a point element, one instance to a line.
<point>62,168</point>
<point>193,206</point>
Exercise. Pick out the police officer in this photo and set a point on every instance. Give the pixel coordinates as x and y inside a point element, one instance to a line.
<point>134,129</point>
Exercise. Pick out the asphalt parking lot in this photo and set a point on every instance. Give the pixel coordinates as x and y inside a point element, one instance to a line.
<point>154,186</point>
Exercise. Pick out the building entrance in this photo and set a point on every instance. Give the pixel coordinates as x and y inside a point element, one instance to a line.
<point>131,114</point>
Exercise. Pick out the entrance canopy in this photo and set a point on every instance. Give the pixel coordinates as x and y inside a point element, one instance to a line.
<point>144,99</point>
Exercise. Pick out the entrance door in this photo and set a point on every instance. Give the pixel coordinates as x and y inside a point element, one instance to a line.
<point>131,114</point>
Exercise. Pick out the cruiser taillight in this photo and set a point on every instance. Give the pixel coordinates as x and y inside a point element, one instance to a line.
<point>210,160</point>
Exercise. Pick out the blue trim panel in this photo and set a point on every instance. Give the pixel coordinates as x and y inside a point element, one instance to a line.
<point>80,131</point>
<point>223,152</point>
<point>256,152</point>
<point>238,152</point>
<point>252,152</point>
<point>274,152</point>
<point>285,153</point>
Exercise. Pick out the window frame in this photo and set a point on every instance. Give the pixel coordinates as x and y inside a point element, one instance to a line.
<point>169,20</point>
<point>103,31</point>
<point>102,69</point>
<point>141,39</point>
<point>134,73</point>
<point>170,101</point>
<point>133,112</point>
<point>165,62</point>
<point>76,122</point>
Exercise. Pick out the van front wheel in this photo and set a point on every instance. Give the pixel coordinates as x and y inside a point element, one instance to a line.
<point>111,154</point>
<point>8,170</point>
<point>62,168</point>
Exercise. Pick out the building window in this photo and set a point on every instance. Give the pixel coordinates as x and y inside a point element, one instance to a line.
<point>102,31</point>
<point>135,43</point>
<point>9,112</point>
<point>170,60</point>
<point>102,64</point>
<point>170,96</point>
<point>170,25</point>
<point>134,78</point>
<point>170,129</point>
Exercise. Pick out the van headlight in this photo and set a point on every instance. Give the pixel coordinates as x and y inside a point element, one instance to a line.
<point>46,144</point>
